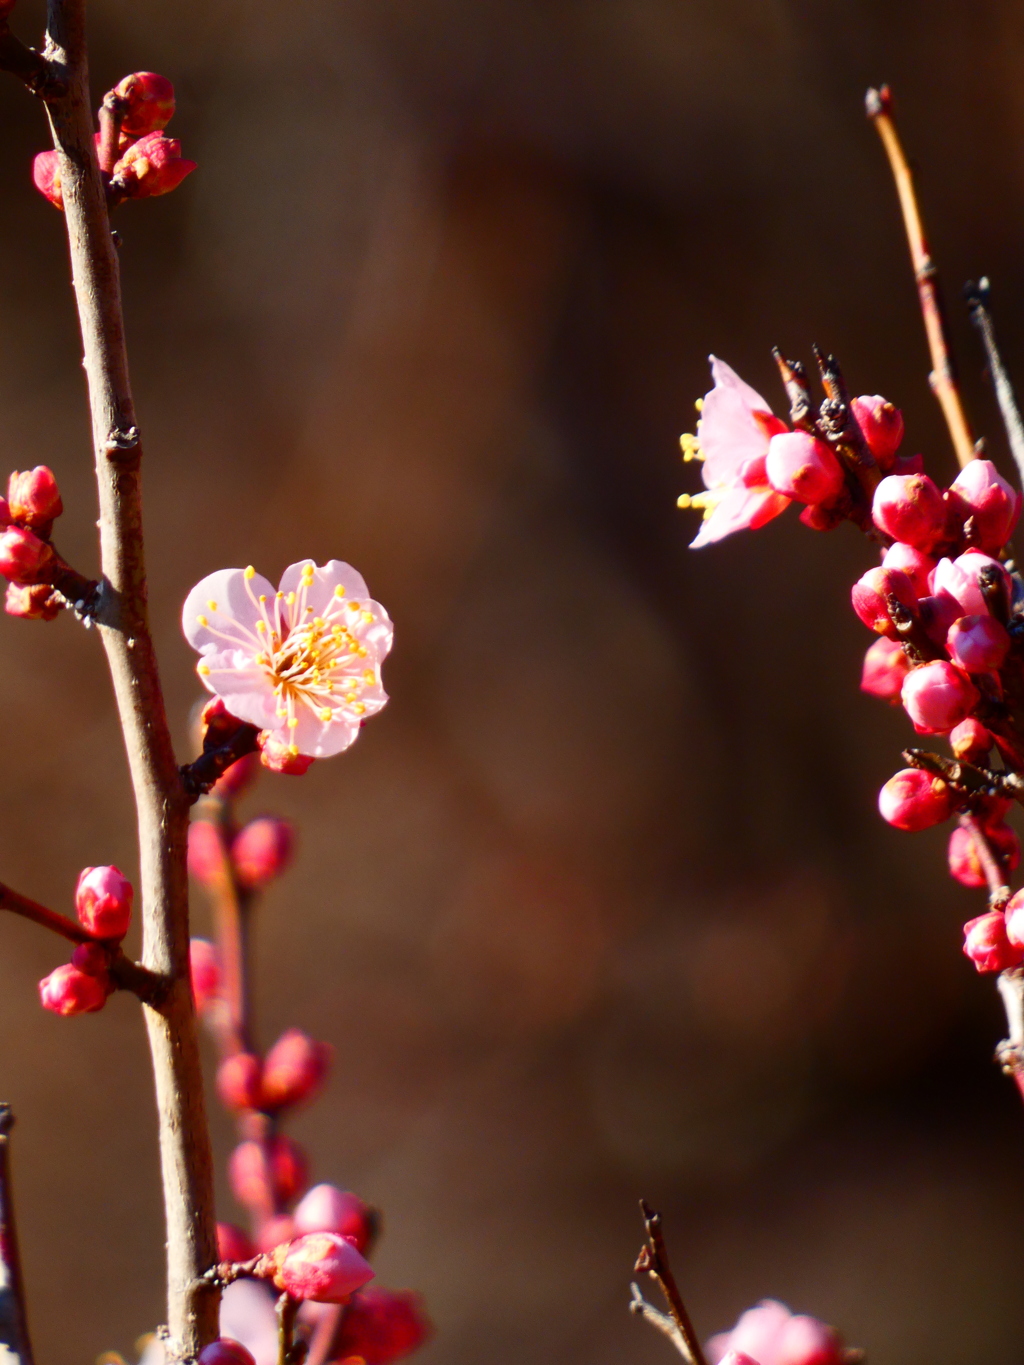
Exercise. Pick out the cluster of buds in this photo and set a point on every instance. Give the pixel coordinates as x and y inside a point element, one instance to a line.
<point>770,1334</point>
<point>27,556</point>
<point>103,903</point>
<point>136,158</point>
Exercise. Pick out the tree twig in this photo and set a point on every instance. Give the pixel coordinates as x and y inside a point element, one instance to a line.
<point>15,1344</point>
<point>978,305</point>
<point>160,797</point>
<point>289,1351</point>
<point>39,914</point>
<point>995,877</point>
<point>878,104</point>
<point>639,1306</point>
<point>653,1261</point>
<point>42,76</point>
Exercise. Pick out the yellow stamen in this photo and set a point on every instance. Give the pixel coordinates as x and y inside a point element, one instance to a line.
<point>203,670</point>
<point>339,591</point>
<point>326,713</point>
<point>202,620</point>
<point>699,405</point>
<point>250,572</point>
<point>212,604</point>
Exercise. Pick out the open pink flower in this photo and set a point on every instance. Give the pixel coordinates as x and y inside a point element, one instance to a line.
<point>302,663</point>
<point>735,428</point>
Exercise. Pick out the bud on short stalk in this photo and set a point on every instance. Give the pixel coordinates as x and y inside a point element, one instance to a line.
<point>32,601</point>
<point>870,595</point>
<point>294,1070</point>
<point>938,696</point>
<point>68,990</point>
<point>264,1174</point>
<point>978,644</point>
<point>261,851</point>
<point>970,741</point>
<point>323,1267</point>
<point>987,945</point>
<point>24,558</point>
<point>918,566</point>
<point>885,667</point>
<point>147,103</point>
<point>914,800</point>
<point>965,865</point>
<point>881,426</point>
<point>103,901</point>
<point>980,493</point>
<point>804,468</point>
<point>153,165</point>
<point>225,1351</point>
<point>33,497</point>
<point>961,579</point>
<point>910,508</point>
<point>325,1208</point>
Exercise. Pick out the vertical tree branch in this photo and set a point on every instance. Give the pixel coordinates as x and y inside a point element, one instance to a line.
<point>161,801</point>
<point>15,1345</point>
<point>943,376</point>
<point>977,303</point>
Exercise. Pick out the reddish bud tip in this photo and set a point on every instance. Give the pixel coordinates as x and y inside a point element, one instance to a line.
<point>261,851</point>
<point>802,467</point>
<point>46,178</point>
<point>153,165</point>
<point>33,497</point>
<point>965,864</point>
<point>147,102</point>
<point>885,667</point>
<point>103,901</point>
<point>281,757</point>
<point>204,964</point>
<point>970,741</point>
<point>914,563</point>
<point>325,1208</point>
<point>233,1244</point>
<point>224,1351</point>
<point>910,508</point>
<point>238,1081</point>
<point>1015,919</point>
<point>881,426</point>
<point>914,800</point>
<point>869,596</point>
<point>24,558</point>
<point>978,644</point>
<point>32,601</point>
<point>981,494</point>
<point>383,1325</point>
<point>737,1358</point>
<point>206,853</point>
<point>322,1266</point>
<point>938,696</point>
<point>986,943</point>
<point>294,1069</point>
<point>68,990</point>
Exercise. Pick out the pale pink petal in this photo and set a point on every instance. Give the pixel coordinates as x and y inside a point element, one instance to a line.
<point>247,1315</point>
<point>234,615</point>
<point>806,1341</point>
<point>759,1331</point>
<point>376,634</point>
<point>319,594</point>
<point>730,433</point>
<point>740,509</point>
<point>321,739</point>
<point>246,690</point>
<point>716,1347</point>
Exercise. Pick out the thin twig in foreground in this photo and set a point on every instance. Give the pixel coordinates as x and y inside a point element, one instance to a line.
<point>977,302</point>
<point>878,104</point>
<point>14,1338</point>
<point>653,1261</point>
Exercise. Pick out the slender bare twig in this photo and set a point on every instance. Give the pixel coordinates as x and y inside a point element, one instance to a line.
<point>160,796</point>
<point>42,76</point>
<point>653,1261</point>
<point>15,1344</point>
<point>995,877</point>
<point>978,305</point>
<point>39,914</point>
<point>665,1324</point>
<point>878,104</point>
<point>289,1351</point>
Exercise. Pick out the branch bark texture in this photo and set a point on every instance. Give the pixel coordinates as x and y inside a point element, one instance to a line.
<point>15,1346</point>
<point>122,617</point>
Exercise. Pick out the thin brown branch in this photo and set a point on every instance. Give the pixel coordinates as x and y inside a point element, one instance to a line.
<point>878,104</point>
<point>15,1344</point>
<point>289,1351</point>
<point>44,78</point>
<point>200,775</point>
<point>639,1306</point>
<point>653,1261</point>
<point>49,919</point>
<point>991,865</point>
<point>1010,1052</point>
<point>160,797</point>
<point>978,306</point>
<point>794,381</point>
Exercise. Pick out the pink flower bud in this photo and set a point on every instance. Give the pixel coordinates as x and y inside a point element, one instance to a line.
<point>885,667</point>
<point>964,861</point>
<point>986,943</point>
<point>103,901</point>
<point>206,852</point>
<point>153,165</point>
<point>275,1232</point>
<point>802,467</point>
<point>323,1267</point>
<point>204,964</point>
<point>960,578</point>
<point>23,556</point>
<point>909,507</point>
<point>938,696</point>
<point>71,991</point>
<point>238,1081</point>
<point>1015,919</point>
<point>914,800</point>
<point>737,1358</point>
<point>147,102</point>
<point>773,1335</point>
<point>914,563</point>
<point>938,613</point>
<point>261,851</point>
<point>978,644</point>
<point>93,959</point>
<point>33,497</point>
<point>262,1175</point>
<point>325,1208</point>
<point>32,601</point>
<point>224,1351</point>
<point>383,1325</point>
<point>882,427</point>
<point>233,1244</point>
<point>980,492</point>
<point>970,741</point>
<point>46,178</point>
<point>869,594</point>
<point>277,755</point>
<point>238,777</point>
<point>295,1068</point>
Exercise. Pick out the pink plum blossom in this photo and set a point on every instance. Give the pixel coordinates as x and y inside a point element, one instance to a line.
<point>772,1335</point>
<point>734,431</point>
<point>303,662</point>
<point>959,578</point>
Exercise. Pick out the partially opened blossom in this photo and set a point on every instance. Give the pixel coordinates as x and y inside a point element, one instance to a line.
<point>735,429</point>
<point>153,165</point>
<point>302,663</point>
<point>772,1335</point>
<point>321,1266</point>
<point>961,578</point>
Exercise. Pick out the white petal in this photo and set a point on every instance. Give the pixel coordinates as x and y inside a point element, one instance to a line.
<point>247,1315</point>
<point>318,738</point>
<point>377,635</point>
<point>246,690</point>
<point>320,593</point>
<point>234,614</point>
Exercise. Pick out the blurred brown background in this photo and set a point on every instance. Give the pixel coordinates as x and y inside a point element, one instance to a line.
<point>600,906</point>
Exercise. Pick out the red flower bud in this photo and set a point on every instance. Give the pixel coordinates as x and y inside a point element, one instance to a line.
<point>802,467</point>
<point>914,800</point>
<point>325,1208</point>
<point>961,578</point>
<point>206,852</point>
<point>938,696</point>
<point>71,991</point>
<point>869,594</point>
<point>91,958</point>
<point>33,497</point>
<point>224,1351</point>
<point>323,1267</point>
<point>238,1081</point>
<point>914,563</point>
<point>1015,919</point>
<point>24,558</point>
<point>964,861</point>
<point>986,943</point>
<point>261,851</point>
<point>970,741</point>
<point>32,601</point>
<point>978,644</point>
<point>103,900</point>
<point>294,1069</point>
<point>281,757</point>
<point>204,965</point>
<point>882,427</point>
<point>153,165</point>
<point>981,493</point>
<point>383,1325</point>
<point>147,101</point>
<point>885,667</point>
<point>262,1175</point>
<point>909,507</point>
<point>233,1244</point>
<point>46,177</point>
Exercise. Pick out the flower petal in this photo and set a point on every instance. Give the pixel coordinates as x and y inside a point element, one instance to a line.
<point>730,432</point>
<point>318,738</point>
<point>326,578</point>
<point>244,687</point>
<point>234,614</point>
<point>740,509</point>
<point>378,633</point>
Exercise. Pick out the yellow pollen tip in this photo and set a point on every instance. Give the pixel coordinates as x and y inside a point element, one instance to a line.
<point>203,670</point>
<point>293,749</point>
<point>281,714</point>
<point>250,572</point>
<point>684,501</point>
<point>212,604</point>
<point>699,405</point>
<point>292,722</point>
<point>202,620</point>
<point>367,616</point>
<point>359,708</point>
<point>262,598</point>
<point>339,591</point>
<point>326,713</point>
<point>291,599</point>
<point>318,621</point>
<point>261,627</point>
<point>369,676</point>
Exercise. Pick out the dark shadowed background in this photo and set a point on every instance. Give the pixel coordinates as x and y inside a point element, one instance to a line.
<point>601,906</point>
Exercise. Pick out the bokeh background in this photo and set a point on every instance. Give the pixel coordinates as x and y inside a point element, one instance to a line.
<point>600,907</point>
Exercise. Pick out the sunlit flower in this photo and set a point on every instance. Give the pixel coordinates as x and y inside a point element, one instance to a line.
<point>733,433</point>
<point>303,662</point>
